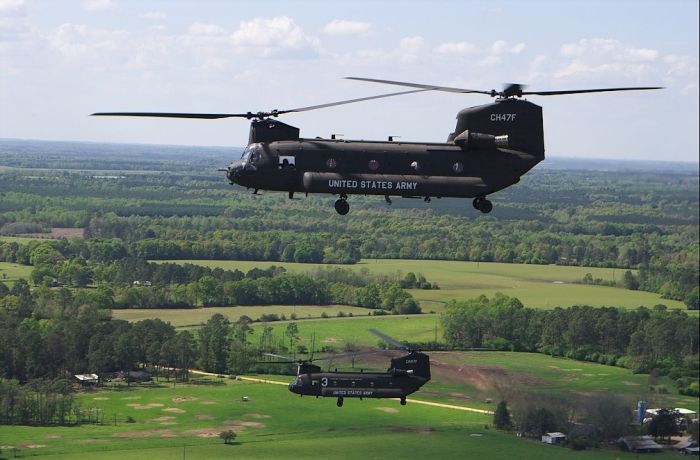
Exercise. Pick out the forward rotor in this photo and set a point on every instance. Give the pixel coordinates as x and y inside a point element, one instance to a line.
<point>510,90</point>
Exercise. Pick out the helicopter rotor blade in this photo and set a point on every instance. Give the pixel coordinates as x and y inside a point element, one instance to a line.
<point>249,115</point>
<point>419,85</point>
<point>389,340</point>
<point>206,116</point>
<point>593,90</point>
<point>351,101</point>
<point>286,358</point>
<point>511,89</point>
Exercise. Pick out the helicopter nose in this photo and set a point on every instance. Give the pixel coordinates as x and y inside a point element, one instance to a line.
<point>234,170</point>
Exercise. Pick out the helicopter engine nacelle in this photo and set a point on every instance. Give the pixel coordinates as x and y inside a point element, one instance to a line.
<point>476,141</point>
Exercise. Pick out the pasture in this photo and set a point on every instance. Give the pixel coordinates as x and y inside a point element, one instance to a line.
<point>184,420</point>
<point>537,286</point>
<point>10,271</point>
<point>194,317</point>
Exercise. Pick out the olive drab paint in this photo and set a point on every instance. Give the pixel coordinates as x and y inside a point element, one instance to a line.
<point>492,146</point>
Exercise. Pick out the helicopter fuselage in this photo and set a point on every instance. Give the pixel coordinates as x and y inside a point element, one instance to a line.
<point>405,376</point>
<point>378,168</point>
<point>492,147</point>
<point>397,384</point>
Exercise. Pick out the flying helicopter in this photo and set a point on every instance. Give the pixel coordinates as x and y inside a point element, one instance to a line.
<point>492,146</point>
<point>405,375</point>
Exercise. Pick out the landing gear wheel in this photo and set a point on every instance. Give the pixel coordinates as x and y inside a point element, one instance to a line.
<point>342,207</point>
<point>339,403</point>
<point>482,204</point>
<point>486,206</point>
<point>403,401</point>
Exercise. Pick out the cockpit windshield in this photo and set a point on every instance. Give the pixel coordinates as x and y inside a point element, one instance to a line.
<point>252,153</point>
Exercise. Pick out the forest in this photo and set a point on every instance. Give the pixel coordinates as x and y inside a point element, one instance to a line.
<point>166,203</point>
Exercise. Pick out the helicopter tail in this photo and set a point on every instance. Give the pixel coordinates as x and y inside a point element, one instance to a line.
<point>513,124</point>
<point>415,363</point>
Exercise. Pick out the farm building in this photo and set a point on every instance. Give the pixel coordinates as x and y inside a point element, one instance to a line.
<point>639,444</point>
<point>135,376</point>
<point>687,447</point>
<point>87,380</point>
<point>553,438</point>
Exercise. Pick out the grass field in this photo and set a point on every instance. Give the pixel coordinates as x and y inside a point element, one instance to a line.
<point>183,421</point>
<point>10,271</point>
<point>539,286</point>
<point>197,316</point>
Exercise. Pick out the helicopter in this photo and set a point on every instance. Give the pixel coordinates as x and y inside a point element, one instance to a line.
<point>492,146</point>
<point>405,375</point>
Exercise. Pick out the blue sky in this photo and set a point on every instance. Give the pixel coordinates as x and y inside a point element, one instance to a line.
<point>62,60</point>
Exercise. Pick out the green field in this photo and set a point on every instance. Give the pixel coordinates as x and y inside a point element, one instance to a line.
<point>540,286</point>
<point>197,316</point>
<point>10,271</point>
<point>170,421</point>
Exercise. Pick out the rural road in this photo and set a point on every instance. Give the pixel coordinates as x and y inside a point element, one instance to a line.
<point>410,400</point>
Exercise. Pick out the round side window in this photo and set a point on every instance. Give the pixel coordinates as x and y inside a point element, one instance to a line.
<point>331,163</point>
<point>458,167</point>
<point>373,165</point>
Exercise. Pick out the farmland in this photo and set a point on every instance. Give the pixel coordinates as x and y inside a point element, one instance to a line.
<point>171,419</point>
<point>539,286</point>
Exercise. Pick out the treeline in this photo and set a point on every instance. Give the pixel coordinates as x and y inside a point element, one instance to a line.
<point>136,283</point>
<point>643,340</point>
<point>40,402</point>
<point>57,337</point>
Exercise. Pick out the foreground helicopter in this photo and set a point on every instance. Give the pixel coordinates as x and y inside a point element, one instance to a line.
<point>405,375</point>
<point>492,146</point>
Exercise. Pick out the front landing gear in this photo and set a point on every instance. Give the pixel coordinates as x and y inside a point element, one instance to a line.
<point>341,205</point>
<point>403,400</point>
<point>339,403</point>
<point>482,204</point>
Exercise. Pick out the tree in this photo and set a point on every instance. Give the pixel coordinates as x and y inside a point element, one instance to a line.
<point>214,344</point>
<point>692,300</point>
<point>228,436</point>
<point>610,414</point>
<point>538,421</point>
<point>665,424</point>
<point>292,332</point>
<point>501,417</point>
<point>693,431</point>
<point>631,281</point>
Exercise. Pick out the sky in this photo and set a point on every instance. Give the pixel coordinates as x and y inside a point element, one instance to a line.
<point>61,60</point>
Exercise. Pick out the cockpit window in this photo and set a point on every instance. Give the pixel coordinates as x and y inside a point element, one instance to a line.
<point>252,153</point>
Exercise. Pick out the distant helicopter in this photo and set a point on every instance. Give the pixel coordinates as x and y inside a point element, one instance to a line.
<point>405,375</point>
<point>492,146</point>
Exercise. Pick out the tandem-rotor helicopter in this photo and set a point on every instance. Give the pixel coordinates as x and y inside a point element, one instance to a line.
<point>405,375</point>
<point>492,146</point>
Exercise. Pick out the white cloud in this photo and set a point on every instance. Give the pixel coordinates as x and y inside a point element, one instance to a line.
<point>98,5</point>
<point>680,66</point>
<point>11,5</point>
<point>410,48</point>
<point>517,49</point>
<point>498,47</point>
<point>607,48</point>
<point>457,48</point>
<point>153,15</point>
<point>200,28</point>
<point>81,41</point>
<point>606,59</point>
<point>488,61</point>
<point>277,32</point>
<point>344,27</point>
<point>501,47</point>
